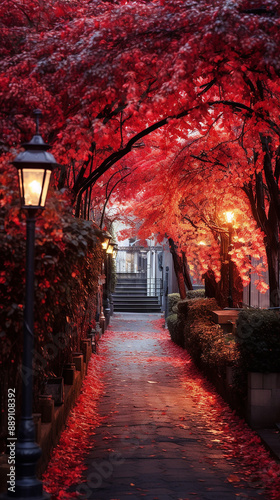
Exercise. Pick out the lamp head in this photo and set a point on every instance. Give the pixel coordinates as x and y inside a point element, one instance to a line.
<point>105,241</point>
<point>34,167</point>
<point>110,248</point>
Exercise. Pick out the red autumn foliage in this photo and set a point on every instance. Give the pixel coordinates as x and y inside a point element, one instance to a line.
<point>64,303</point>
<point>184,92</point>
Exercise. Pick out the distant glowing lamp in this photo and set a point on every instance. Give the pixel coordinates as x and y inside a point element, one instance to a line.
<point>202,243</point>
<point>110,248</point>
<point>106,241</point>
<point>229,217</point>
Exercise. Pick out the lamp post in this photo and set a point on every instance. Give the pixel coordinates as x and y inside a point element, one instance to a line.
<point>34,166</point>
<point>230,217</point>
<point>107,291</point>
<point>105,241</point>
<point>115,251</point>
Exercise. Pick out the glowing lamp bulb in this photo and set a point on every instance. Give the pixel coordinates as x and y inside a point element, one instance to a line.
<point>35,187</point>
<point>229,217</point>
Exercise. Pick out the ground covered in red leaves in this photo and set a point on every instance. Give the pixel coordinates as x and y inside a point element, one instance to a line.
<point>230,433</point>
<point>66,465</point>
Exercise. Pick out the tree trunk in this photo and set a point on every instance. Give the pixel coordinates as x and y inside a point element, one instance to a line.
<point>210,284</point>
<point>186,272</point>
<point>273,273</point>
<point>178,268</point>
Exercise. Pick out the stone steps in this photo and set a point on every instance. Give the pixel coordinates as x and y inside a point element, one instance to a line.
<point>131,295</point>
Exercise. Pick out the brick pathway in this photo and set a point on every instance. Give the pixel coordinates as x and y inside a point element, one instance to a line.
<point>154,442</point>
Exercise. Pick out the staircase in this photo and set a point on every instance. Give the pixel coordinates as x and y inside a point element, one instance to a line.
<point>131,295</point>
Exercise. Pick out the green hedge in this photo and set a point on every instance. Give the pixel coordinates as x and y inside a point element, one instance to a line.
<point>174,298</point>
<point>172,325</point>
<point>193,329</point>
<point>255,346</point>
<point>196,294</point>
<point>205,340</point>
<point>258,340</point>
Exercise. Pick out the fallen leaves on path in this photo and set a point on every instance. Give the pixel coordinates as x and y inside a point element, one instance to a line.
<point>252,462</point>
<point>66,465</point>
<point>236,438</point>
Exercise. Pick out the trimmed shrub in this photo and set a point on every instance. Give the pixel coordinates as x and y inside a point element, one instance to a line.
<point>204,340</point>
<point>196,294</point>
<point>255,347</point>
<point>197,308</point>
<point>199,330</point>
<point>258,340</point>
<point>172,326</point>
<point>193,329</point>
<point>173,299</point>
<point>220,351</point>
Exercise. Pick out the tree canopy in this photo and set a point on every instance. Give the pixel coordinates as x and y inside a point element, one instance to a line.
<point>184,95</point>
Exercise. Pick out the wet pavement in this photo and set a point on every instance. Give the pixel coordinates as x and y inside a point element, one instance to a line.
<point>156,441</point>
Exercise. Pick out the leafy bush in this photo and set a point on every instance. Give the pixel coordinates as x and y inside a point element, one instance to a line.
<point>254,347</point>
<point>199,331</point>
<point>258,340</point>
<point>197,307</point>
<point>196,294</point>
<point>67,262</point>
<point>193,329</point>
<point>172,326</point>
<point>173,299</point>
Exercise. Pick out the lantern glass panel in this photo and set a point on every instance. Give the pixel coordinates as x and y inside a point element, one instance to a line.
<point>20,184</point>
<point>105,243</point>
<point>35,184</point>
<point>45,187</point>
<point>32,183</point>
<point>110,248</point>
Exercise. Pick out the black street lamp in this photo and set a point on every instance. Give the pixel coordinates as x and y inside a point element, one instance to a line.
<point>230,217</point>
<point>34,166</point>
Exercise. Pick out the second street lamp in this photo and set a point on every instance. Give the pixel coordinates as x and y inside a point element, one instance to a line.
<point>106,240</point>
<point>34,166</point>
<point>230,218</point>
<point>110,248</point>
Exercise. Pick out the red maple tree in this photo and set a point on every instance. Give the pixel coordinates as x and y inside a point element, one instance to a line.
<point>146,80</point>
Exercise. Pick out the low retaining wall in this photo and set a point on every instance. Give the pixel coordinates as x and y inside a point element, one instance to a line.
<point>263,405</point>
<point>49,433</point>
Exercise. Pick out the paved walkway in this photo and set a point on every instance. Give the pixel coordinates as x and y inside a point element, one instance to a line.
<point>156,440</point>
